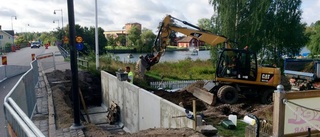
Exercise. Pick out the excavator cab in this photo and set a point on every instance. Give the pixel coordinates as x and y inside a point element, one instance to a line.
<point>237,64</point>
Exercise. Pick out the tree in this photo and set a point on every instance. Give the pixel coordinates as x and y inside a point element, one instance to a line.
<point>270,28</point>
<point>121,40</point>
<point>209,25</point>
<point>147,39</point>
<point>111,41</point>
<point>133,36</point>
<point>88,35</point>
<point>314,43</point>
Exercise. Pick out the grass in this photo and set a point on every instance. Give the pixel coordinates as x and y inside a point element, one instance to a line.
<point>183,70</point>
<point>238,132</point>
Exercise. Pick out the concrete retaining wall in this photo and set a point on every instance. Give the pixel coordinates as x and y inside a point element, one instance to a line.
<point>7,71</point>
<point>139,108</point>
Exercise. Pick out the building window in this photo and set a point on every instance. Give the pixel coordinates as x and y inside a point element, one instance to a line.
<point>1,36</point>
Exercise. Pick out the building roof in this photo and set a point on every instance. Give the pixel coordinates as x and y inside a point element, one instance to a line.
<point>8,32</point>
<point>185,40</point>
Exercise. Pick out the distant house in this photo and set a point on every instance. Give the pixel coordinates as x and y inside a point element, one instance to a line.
<point>6,36</point>
<point>188,41</point>
<point>125,30</point>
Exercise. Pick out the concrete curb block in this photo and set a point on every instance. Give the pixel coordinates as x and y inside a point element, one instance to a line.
<point>51,116</point>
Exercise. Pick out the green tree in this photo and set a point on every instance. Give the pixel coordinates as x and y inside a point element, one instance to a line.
<point>271,28</point>
<point>147,39</point>
<point>133,36</point>
<point>314,33</point>
<point>284,32</point>
<point>121,40</point>
<point>88,35</point>
<point>111,41</point>
<point>210,25</point>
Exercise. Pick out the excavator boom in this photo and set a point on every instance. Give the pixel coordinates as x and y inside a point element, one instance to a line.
<point>167,27</point>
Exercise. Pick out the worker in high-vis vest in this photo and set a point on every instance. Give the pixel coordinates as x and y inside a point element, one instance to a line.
<point>130,74</point>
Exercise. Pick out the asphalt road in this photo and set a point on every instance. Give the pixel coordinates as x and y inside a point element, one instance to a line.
<point>20,57</point>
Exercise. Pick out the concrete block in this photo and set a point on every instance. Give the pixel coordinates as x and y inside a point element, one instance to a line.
<point>207,130</point>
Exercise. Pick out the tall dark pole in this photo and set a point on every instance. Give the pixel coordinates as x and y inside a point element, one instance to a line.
<point>74,68</point>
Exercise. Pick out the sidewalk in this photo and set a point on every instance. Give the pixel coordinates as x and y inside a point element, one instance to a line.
<point>44,117</point>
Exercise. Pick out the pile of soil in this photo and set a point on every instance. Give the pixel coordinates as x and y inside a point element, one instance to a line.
<point>183,99</point>
<point>214,114</point>
<point>60,85</point>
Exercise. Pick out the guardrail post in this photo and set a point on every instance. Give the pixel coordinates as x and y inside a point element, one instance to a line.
<point>54,61</point>
<point>4,60</point>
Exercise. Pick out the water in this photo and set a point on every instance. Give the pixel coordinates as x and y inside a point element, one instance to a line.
<point>172,56</point>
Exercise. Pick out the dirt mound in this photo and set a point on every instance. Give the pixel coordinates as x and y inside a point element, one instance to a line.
<point>214,114</point>
<point>182,98</point>
<point>88,84</point>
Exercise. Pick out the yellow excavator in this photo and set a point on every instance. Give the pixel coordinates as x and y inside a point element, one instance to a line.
<point>237,71</point>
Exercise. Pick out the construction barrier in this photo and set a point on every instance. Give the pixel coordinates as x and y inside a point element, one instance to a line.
<point>4,60</point>
<point>13,48</point>
<point>45,56</point>
<point>33,57</point>
<point>47,60</point>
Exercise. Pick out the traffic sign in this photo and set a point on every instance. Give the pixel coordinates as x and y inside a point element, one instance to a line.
<point>79,46</point>
<point>65,40</point>
<point>79,39</point>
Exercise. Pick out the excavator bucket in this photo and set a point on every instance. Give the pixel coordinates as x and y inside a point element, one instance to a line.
<point>198,90</point>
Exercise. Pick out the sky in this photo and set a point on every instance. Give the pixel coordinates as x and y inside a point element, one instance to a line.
<point>38,15</point>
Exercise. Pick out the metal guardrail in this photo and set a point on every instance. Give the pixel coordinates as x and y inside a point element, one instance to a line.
<point>20,103</point>
<point>83,63</point>
<point>63,52</point>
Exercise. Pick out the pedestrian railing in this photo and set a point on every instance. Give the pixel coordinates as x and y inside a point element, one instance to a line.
<point>63,52</point>
<point>83,63</point>
<point>172,84</point>
<point>20,104</point>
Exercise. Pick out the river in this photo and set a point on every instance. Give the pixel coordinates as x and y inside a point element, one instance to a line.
<point>172,56</point>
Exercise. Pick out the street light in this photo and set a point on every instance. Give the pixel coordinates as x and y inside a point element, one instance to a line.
<point>54,12</point>
<point>54,21</point>
<point>27,25</point>
<point>15,17</point>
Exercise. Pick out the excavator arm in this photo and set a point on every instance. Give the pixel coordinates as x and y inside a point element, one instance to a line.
<point>167,27</point>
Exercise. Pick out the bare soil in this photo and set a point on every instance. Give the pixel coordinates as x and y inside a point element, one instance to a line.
<point>213,114</point>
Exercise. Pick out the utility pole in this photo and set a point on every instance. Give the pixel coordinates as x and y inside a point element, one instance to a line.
<point>96,36</point>
<point>74,68</point>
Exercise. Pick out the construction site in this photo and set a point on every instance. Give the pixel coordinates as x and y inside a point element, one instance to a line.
<point>241,88</point>
<point>141,109</point>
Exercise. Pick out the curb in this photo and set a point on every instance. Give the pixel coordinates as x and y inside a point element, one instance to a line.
<point>51,114</point>
<point>52,131</point>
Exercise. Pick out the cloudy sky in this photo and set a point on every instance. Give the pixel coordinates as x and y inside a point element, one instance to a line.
<point>113,14</point>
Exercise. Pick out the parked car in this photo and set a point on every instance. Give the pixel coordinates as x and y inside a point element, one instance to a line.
<point>35,44</point>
